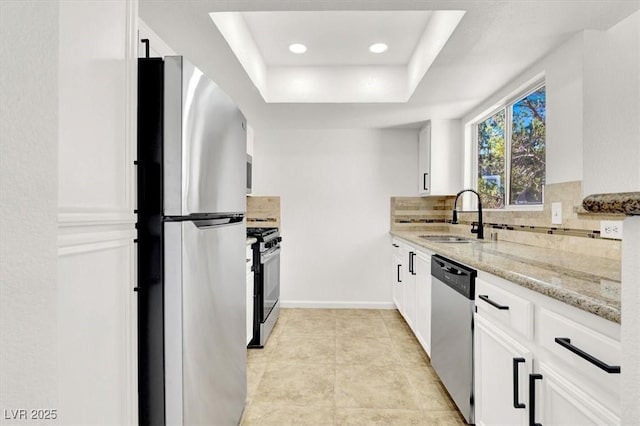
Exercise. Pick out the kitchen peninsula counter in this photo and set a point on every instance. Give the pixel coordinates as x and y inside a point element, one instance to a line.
<point>589,283</point>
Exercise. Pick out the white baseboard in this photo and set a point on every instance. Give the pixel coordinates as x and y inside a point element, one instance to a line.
<point>336,305</point>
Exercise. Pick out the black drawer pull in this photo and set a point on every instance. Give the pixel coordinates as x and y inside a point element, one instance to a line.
<point>424,181</point>
<point>399,266</point>
<point>516,386</point>
<point>532,398</point>
<point>395,245</point>
<point>485,297</point>
<point>565,342</point>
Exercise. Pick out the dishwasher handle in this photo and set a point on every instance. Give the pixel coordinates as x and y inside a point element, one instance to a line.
<point>449,269</point>
<point>454,275</point>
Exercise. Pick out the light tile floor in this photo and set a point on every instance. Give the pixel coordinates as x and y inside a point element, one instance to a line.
<point>344,367</point>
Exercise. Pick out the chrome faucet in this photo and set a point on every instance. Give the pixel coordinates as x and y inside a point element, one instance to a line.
<point>474,230</point>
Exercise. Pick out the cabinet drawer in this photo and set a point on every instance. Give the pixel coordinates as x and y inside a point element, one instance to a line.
<point>505,308</point>
<point>585,350</point>
<point>396,247</point>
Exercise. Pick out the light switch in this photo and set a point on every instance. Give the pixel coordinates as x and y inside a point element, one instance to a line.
<point>556,213</point>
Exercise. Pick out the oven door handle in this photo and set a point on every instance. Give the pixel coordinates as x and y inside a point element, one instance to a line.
<point>268,255</point>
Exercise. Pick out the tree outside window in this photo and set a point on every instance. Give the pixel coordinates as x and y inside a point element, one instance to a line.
<point>522,142</point>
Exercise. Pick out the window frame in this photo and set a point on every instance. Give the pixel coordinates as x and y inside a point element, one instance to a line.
<point>507,106</point>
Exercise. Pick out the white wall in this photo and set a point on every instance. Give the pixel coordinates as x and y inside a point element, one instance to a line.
<point>612,108</point>
<point>28,202</point>
<point>562,69</point>
<point>335,188</point>
<point>157,46</point>
<point>593,105</point>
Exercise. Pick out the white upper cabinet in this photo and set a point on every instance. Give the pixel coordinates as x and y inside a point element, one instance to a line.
<point>440,158</point>
<point>424,160</point>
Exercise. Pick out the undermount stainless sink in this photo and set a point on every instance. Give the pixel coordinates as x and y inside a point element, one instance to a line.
<point>449,239</point>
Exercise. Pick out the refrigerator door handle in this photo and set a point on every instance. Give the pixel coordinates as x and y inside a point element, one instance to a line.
<point>212,223</point>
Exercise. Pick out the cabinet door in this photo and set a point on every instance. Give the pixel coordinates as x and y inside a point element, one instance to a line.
<point>409,288</point>
<point>423,300</point>
<point>424,160</point>
<point>564,403</point>
<point>500,382</point>
<point>397,283</point>
<point>249,307</point>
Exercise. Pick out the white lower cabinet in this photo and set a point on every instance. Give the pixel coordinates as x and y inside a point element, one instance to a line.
<point>502,368</point>
<point>409,287</point>
<point>396,276</point>
<point>565,360</point>
<point>250,288</point>
<point>422,329</point>
<point>249,307</point>
<point>522,340</point>
<point>562,402</point>
<point>411,284</point>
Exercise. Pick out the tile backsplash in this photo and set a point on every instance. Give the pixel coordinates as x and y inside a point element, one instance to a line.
<point>263,212</point>
<point>578,233</point>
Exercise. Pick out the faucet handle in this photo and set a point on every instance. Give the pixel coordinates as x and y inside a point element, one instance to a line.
<point>475,228</point>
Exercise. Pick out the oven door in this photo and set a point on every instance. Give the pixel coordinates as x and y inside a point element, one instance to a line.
<point>270,280</point>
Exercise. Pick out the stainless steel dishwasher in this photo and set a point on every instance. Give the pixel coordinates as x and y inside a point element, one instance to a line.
<point>452,293</point>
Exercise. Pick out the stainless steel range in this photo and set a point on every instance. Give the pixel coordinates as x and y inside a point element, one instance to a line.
<point>266,293</point>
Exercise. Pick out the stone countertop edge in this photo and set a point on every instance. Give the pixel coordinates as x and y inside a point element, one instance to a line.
<point>609,310</point>
<point>627,203</point>
<point>251,240</point>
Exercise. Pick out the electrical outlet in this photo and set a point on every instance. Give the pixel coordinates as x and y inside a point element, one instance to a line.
<point>556,213</point>
<point>611,229</point>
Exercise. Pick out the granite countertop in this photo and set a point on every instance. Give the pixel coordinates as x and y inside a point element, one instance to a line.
<point>589,283</point>
<point>622,202</point>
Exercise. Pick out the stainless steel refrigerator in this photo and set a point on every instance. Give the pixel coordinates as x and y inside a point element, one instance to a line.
<point>191,247</point>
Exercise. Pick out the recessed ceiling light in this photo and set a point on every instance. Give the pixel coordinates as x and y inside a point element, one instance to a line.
<point>297,48</point>
<point>378,47</point>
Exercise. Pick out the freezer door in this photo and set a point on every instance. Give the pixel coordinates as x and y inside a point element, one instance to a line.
<point>204,144</point>
<point>205,347</point>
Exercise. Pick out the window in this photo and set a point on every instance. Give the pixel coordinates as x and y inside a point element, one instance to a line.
<point>511,152</point>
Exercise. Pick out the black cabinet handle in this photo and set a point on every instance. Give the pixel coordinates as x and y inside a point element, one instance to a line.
<point>532,398</point>
<point>145,41</point>
<point>424,181</point>
<point>565,342</point>
<point>395,245</point>
<point>399,266</point>
<point>485,297</point>
<point>411,254</point>
<point>516,386</point>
